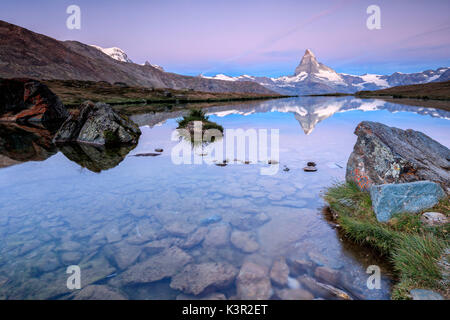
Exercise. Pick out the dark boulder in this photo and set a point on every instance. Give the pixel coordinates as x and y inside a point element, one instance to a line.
<point>98,124</point>
<point>27,100</point>
<point>385,155</point>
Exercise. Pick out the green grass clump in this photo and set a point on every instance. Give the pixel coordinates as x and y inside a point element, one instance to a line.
<point>416,257</point>
<point>413,248</point>
<point>198,115</point>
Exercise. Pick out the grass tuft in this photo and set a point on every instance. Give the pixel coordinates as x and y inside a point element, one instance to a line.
<point>413,248</point>
<point>198,115</point>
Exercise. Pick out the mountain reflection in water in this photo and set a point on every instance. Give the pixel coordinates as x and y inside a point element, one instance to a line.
<point>308,111</point>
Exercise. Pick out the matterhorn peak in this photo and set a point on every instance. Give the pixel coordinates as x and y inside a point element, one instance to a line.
<point>308,64</point>
<point>309,53</point>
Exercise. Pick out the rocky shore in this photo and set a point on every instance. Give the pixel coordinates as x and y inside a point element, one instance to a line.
<point>35,124</point>
<point>396,199</point>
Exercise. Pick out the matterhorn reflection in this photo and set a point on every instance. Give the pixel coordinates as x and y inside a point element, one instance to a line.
<point>308,111</point>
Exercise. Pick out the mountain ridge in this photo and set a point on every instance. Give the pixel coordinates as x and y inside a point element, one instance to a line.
<point>24,53</point>
<point>313,77</point>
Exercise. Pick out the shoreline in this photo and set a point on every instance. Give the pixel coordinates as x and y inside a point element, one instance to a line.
<point>427,95</point>
<point>73,92</point>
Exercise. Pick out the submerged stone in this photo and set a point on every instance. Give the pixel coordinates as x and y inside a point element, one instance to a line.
<point>160,266</point>
<point>253,282</point>
<point>196,278</point>
<point>388,199</point>
<point>211,296</point>
<point>218,236</point>
<point>322,289</point>
<point>327,275</point>
<point>97,292</point>
<point>280,272</point>
<point>195,238</point>
<point>212,219</point>
<point>294,294</point>
<point>244,241</point>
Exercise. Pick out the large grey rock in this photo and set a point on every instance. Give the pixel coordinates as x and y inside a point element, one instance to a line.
<point>196,278</point>
<point>385,154</point>
<point>98,124</point>
<point>413,197</point>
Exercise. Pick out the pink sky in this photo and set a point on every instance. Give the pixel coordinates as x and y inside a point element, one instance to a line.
<point>252,37</point>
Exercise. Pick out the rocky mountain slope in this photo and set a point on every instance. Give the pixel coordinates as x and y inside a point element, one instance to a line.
<point>24,53</point>
<point>313,77</point>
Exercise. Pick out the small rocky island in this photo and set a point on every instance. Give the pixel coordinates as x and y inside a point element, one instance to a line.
<point>194,126</point>
<point>98,124</point>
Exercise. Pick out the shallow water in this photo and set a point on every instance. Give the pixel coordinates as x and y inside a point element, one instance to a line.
<point>110,211</point>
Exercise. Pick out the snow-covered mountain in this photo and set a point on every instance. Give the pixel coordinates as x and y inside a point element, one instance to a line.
<point>120,55</point>
<point>115,53</point>
<point>313,77</point>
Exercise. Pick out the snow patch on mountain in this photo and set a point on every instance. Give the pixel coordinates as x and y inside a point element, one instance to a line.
<point>223,77</point>
<point>115,53</point>
<point>120,55</point>
<point>376,79</point>
<point>153,65</point>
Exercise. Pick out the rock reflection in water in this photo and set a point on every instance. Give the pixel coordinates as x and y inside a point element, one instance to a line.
<point>23,143</point>
<point>95,158</point>
<point>19,143</point>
